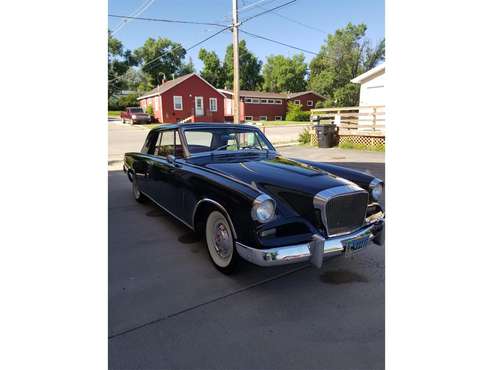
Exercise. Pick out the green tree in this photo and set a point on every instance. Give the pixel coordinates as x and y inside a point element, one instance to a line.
<point>119,62</point>
<point>296,113</point>
<point>186,68</point>
<point>250,66</point>
<point>160,58</point>
<point>213,70</point>
<point>345,55</point>
<point>282,73</point>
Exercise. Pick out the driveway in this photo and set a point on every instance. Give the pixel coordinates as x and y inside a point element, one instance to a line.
<point>170,309</point>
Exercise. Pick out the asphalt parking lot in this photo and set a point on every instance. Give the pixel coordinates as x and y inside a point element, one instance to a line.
<point>170,309</point>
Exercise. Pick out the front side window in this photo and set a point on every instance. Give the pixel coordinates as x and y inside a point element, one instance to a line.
<point>226,139</point>
<point>178,102</point>
<point>213,104</point>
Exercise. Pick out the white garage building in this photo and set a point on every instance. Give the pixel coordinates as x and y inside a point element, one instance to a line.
<point>372,91</point>
<point>372,86</point>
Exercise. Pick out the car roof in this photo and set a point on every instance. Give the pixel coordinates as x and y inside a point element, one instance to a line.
<point>199,125</point>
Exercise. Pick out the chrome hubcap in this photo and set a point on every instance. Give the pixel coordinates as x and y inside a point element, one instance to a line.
<point>222,240</point>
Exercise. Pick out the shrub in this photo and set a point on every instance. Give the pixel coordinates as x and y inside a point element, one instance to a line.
<point>149,110</point>
<point>295,113</point>
<point>304,137</point>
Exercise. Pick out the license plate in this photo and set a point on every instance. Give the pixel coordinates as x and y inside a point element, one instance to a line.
<point>355,245</point>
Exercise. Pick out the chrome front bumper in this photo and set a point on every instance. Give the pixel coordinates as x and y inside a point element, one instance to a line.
<point>315,251</point>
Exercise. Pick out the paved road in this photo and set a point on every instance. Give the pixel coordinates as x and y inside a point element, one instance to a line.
<point>170,309</point>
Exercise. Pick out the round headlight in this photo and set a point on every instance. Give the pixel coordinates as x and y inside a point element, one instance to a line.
<point>376,187</point>
<point>263,208</point>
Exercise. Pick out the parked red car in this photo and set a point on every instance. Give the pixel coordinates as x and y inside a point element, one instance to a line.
<point>135,115</point>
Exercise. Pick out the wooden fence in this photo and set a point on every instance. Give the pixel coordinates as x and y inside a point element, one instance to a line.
<point>353,120</point>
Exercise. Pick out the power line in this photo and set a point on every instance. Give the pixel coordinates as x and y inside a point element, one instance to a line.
<point>144,6</point>
<point>248,6</point>
<point>267,11</point>
<point>166,20</point>
<point>297,22</point>
<point>278,42</point>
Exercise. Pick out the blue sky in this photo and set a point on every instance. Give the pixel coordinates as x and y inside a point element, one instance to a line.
<point>324,15</point>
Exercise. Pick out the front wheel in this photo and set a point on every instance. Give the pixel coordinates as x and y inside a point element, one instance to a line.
<point>220,242</point>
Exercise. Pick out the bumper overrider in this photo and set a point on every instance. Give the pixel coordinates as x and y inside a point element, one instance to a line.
<point>316,250</point>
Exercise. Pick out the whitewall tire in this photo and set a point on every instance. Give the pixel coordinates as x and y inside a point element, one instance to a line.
<point>220,242</point>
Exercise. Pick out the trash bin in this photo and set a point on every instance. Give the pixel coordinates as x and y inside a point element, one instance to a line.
<point>327,135</point>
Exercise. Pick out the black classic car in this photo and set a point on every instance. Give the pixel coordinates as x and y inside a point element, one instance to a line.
<point>227,182</point>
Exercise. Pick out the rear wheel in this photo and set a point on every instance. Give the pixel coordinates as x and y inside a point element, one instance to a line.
<point>139,197</point>
<point>220,242</point>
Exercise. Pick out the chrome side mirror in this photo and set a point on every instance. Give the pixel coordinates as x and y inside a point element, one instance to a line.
<point>171,159</point>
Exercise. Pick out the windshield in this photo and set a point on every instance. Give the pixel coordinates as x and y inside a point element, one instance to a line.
<point>224,139</point>
<point>136,110</point>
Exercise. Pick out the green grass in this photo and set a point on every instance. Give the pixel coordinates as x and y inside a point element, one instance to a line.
<point>150,126</point>
<point>281,123</point>
<point>114,113</point>
<point>374,148</point>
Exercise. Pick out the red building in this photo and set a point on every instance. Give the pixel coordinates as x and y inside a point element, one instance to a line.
<point>186,97</point>
<point>266,106</point>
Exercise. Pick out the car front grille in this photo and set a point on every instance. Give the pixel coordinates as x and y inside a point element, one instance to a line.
<point>346,212</point>
<point>342,208</point>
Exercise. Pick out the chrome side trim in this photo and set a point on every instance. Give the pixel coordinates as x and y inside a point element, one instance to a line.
<point>322,198</point>
<point>217,204</point>
<point>168,211</point>
<point>304,252</point>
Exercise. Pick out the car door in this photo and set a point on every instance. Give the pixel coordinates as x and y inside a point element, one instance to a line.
<point>143,162</point>
<point>163,172</point>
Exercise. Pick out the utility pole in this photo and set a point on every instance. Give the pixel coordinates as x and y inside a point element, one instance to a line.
<point>236,65</point>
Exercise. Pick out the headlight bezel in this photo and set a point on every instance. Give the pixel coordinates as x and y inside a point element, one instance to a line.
<point>376,189</point>
<point>134,116</point>
<point>261,200</point>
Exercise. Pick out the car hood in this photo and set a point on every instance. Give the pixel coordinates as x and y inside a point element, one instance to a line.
<point>280,177</point>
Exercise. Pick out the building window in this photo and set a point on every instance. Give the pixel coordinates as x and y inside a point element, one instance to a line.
<point>248,100</point>
<point>263,118</point>
<point>263,101</point>
<point>213,104</point>
<point>309,103</point>
<point>270,101</point>
<point>248,118</point>
<point>278,118</point>
<point>278,101</point>
<point>178,102</point>
<point>156,104</point>
<point>255,101</point>
<point>297,102</point>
